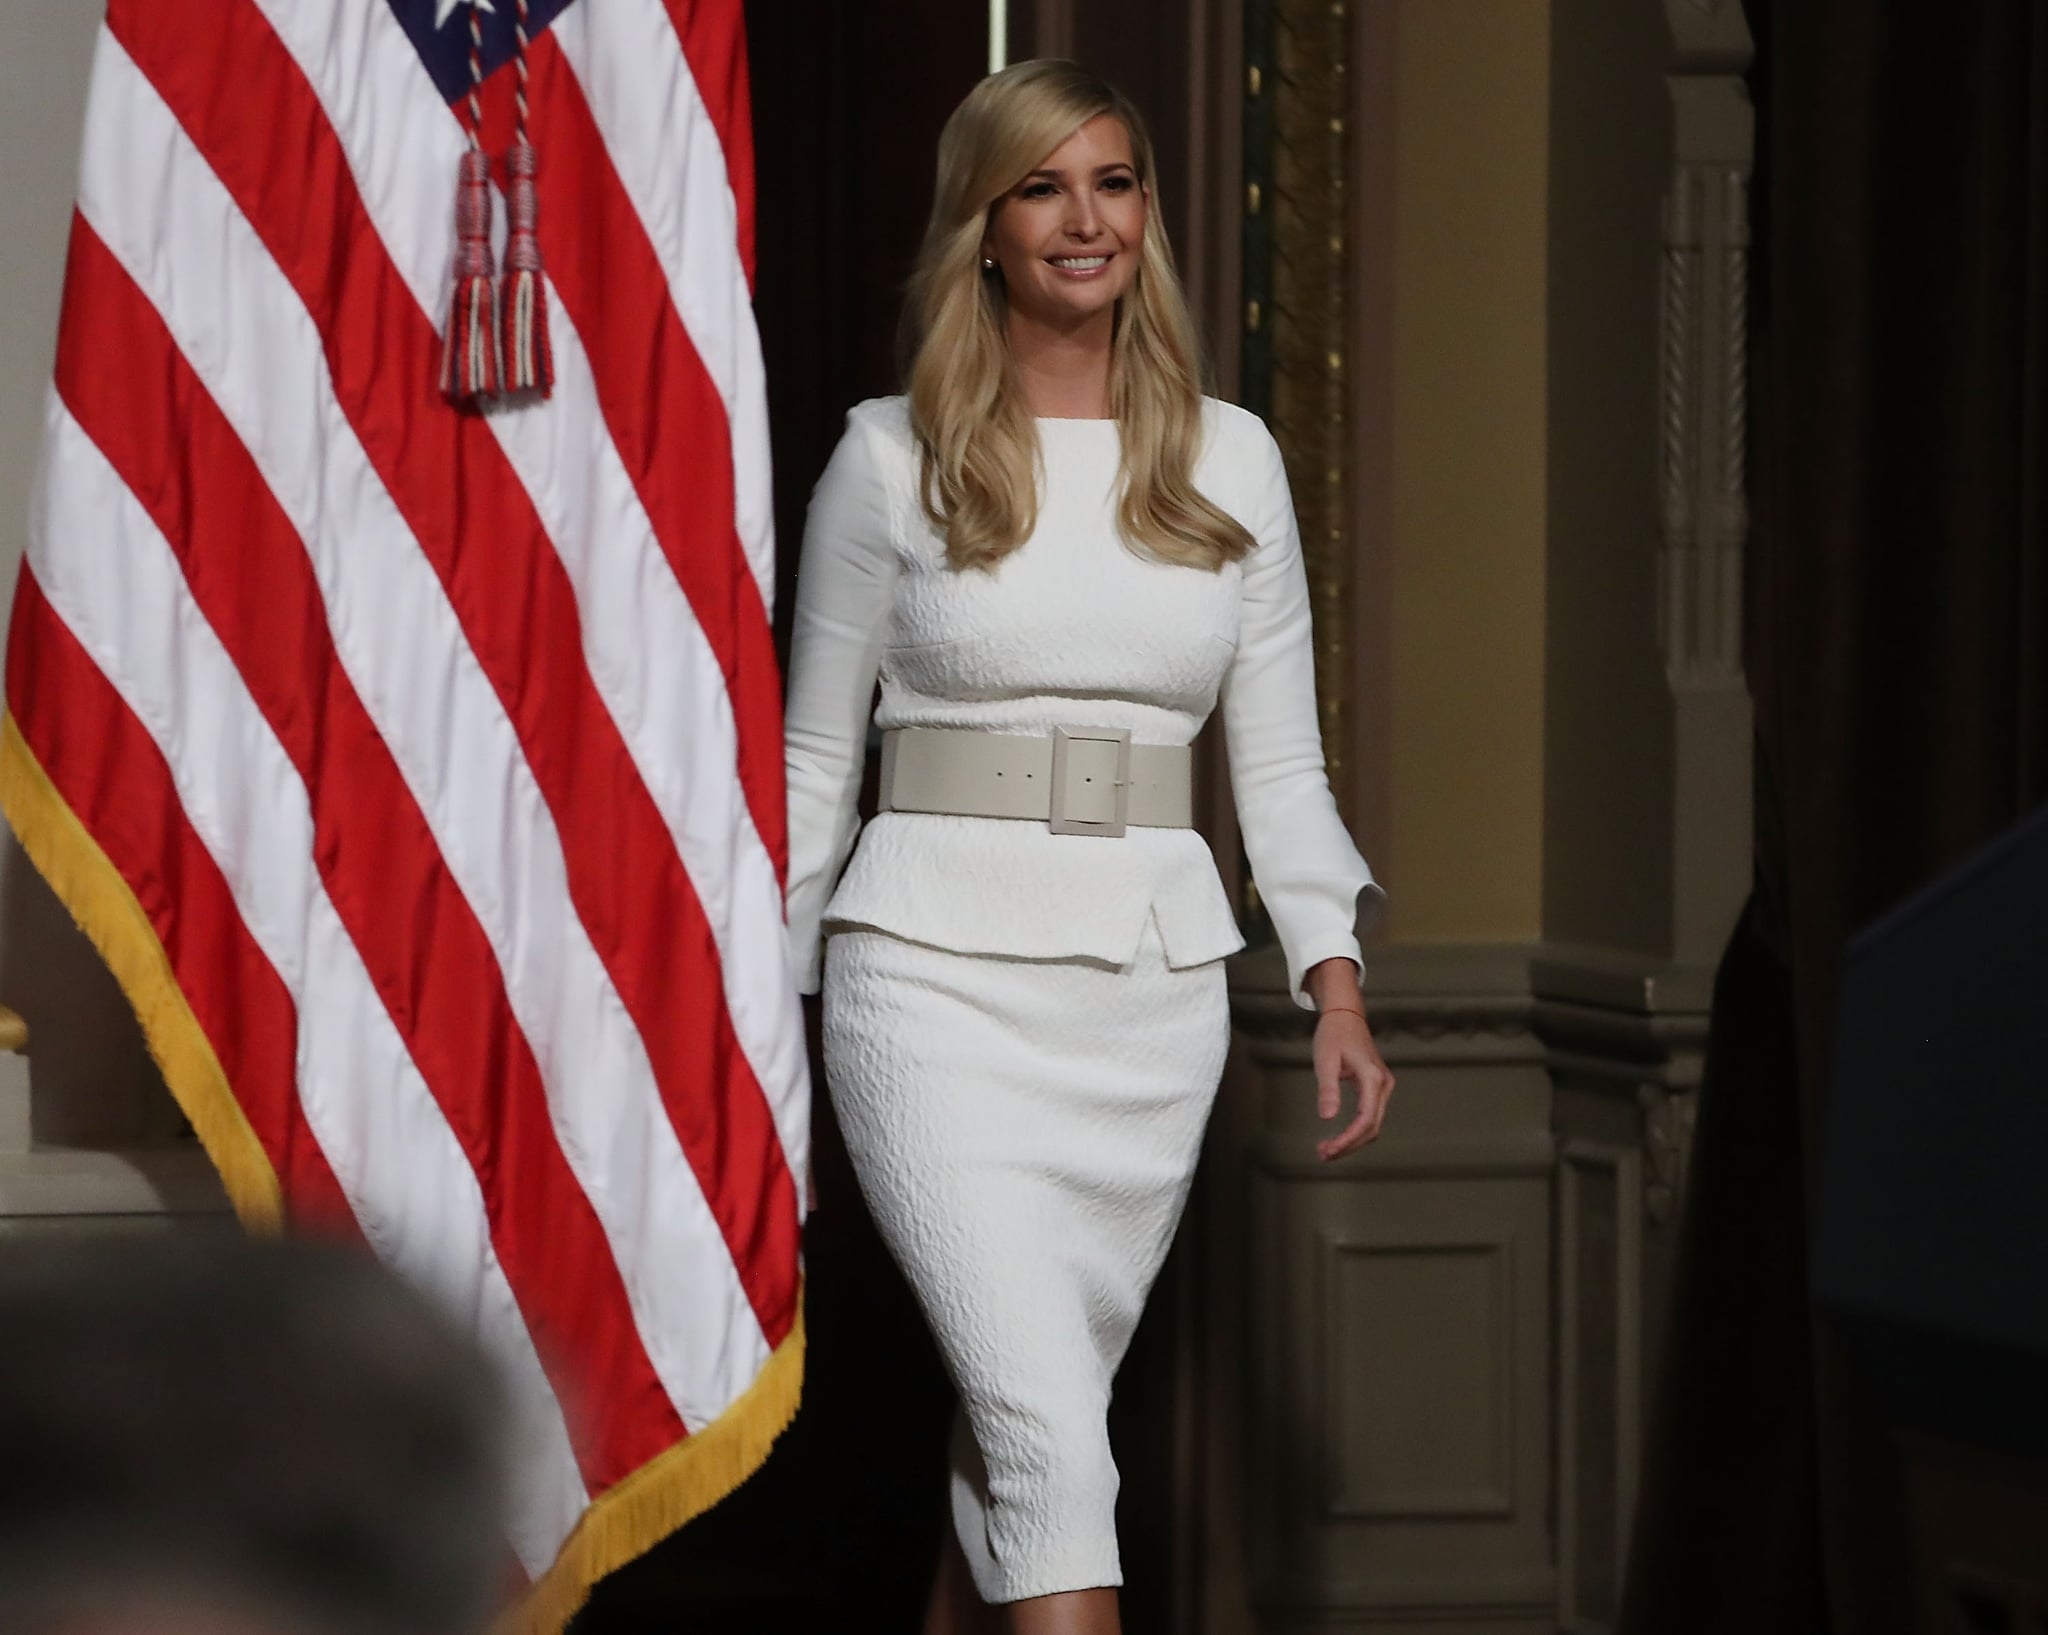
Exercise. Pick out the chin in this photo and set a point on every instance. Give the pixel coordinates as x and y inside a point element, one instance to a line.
<point>1086,302</point>
<point>1090,307</point>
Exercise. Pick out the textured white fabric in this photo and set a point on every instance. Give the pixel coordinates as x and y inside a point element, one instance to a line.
<point>1073,629</point>
<point>1024,1132</point>
<point>1023,1030</point>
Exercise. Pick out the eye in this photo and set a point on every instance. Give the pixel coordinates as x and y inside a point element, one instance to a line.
<point>1120,184</point>
<point>1037,190</point>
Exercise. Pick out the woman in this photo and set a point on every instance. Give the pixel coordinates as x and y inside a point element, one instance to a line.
<point>1058,555</point>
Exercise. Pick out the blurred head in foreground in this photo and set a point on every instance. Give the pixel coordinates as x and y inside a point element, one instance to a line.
<point>238,1438</point>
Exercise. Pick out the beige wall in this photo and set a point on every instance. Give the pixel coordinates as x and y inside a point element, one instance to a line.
<point>1529,765</point>
<point>1468,584</point>
<point>1607,727</point>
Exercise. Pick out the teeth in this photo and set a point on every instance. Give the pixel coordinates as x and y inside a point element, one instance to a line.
<point>1080,263</point>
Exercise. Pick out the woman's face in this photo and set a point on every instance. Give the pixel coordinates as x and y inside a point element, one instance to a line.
<point>1067,236</point>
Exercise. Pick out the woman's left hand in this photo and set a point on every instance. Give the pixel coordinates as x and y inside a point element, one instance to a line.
<point>1344,1049</point>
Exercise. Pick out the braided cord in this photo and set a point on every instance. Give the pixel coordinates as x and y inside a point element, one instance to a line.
<point>519,62</point>
<point>476,74</point>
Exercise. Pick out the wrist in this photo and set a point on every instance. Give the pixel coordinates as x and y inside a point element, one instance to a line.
<point>1333,984</point>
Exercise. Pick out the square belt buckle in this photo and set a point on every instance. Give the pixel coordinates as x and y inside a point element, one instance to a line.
<point>1080,768</point>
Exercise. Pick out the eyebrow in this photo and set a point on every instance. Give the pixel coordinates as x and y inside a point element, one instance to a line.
<point>1100,170</point>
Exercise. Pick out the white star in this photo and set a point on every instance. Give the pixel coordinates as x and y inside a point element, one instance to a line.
<point>444,9</point>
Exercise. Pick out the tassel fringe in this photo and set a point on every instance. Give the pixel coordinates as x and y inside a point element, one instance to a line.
<point>522,299</point>
<point>471,368</point>
<point>496,344</point>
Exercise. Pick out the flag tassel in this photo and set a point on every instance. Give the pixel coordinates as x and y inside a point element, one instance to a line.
<point>522,297</point>
<point>470,365</point>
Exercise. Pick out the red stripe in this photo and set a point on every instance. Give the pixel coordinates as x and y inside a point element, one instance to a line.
<point>115,780</point>
<point>665,415</point>
<point>713,35</point>
<point>668,422</point>
<point>427,955</point>
<point>466,507</point>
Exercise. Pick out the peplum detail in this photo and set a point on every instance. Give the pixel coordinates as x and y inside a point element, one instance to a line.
<point>998,886</point>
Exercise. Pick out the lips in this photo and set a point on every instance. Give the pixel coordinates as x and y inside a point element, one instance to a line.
<point>1078,266</point>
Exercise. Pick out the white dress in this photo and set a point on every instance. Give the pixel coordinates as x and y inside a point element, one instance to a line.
<point>1024,1031</point>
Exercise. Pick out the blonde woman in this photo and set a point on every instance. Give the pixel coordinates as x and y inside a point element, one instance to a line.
<point>1059,556</point>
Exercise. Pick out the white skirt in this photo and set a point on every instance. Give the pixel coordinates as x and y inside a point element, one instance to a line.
<point>1024,1132</point>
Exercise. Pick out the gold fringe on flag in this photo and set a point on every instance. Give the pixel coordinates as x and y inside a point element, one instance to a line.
<point>622,1522</point>
<point>634,1515</point>
<point>625,1520</point>
<point>89,885</point>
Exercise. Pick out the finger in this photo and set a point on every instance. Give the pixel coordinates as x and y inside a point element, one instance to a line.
<point>1354,1135</point>
<point>1374,1088</point>
<point>1329,1073</point>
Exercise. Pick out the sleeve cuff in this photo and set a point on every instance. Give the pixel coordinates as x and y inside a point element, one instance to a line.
<point>1300,961</point>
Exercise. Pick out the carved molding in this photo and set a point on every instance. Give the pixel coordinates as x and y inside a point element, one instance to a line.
<point>1703,387</point>
<point>1297,274</point>
<point>1500,1013</point>
<point>1679,332</point>
<point>1735,351</point>
<point>1704,402</point>
<point>1421,1017</point>
<point>1450,1019</point>
<point>1669,1118</point>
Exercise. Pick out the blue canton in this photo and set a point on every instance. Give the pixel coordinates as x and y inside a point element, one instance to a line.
<point>445,50</point>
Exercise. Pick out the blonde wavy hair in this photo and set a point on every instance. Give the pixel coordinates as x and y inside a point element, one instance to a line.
<point>978,442</point>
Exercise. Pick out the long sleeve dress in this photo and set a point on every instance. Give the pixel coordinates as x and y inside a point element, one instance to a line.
<point>1024,1030</point>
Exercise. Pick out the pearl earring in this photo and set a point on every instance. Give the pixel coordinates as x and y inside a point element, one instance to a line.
<point>988,263</point>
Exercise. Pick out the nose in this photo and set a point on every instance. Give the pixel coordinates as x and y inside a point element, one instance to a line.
<point>1082,220</point>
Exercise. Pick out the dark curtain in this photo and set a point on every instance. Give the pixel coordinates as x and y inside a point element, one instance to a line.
<point>1898,620</point>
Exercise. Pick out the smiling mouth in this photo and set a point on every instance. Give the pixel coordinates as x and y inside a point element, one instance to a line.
<point>1078,266</point>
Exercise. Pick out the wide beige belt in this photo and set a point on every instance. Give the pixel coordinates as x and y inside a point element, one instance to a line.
<point>1077,780</point>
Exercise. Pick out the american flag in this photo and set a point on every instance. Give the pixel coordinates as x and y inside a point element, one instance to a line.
<point>418,770</point>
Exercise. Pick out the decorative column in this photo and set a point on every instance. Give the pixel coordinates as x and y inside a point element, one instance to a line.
<point>1296,276</point>
<point>1446,1341</point>
<point>1395,1385</point>
<point>1627,1047</point>
<point>1703,375</point>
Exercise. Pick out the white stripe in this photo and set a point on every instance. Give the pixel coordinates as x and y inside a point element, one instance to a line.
<point>166,217</point>
<point>667,154</point>
<point>114,581</point>
<point>647,655</point>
